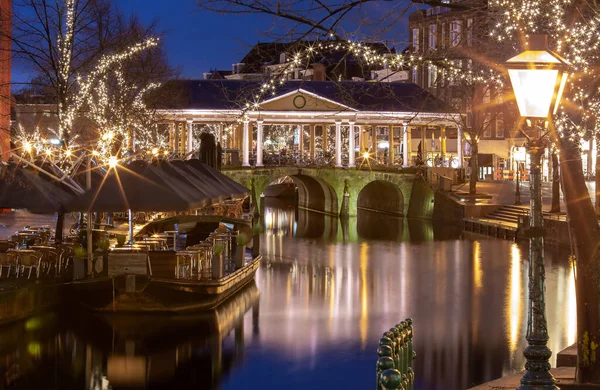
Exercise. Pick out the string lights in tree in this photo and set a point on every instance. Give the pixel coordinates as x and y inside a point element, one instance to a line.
<point>114,105</point>
<point>574,29</point>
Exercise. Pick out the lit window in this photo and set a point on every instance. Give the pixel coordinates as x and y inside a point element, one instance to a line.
<point>415,39</point>
<point>432,36</point>
<point>456,64</point>
<point>487,126</point>
<point>500,96</point>
<point>455,31</point>
<point>431,75</point>
<point>486,96</point>
<point>499,125</point>
<point>456,104</point>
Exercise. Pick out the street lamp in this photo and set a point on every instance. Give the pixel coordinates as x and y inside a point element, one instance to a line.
<point>538,79</point>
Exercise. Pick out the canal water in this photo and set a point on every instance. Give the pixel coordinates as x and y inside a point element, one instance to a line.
<point>323,296</point>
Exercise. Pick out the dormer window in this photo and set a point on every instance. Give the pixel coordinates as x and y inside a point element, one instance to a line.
<point>237,68</point>
<point>283,58</point>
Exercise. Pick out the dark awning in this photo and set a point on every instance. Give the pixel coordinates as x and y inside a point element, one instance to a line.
<point>21,189</point>
<point>164,186</point>
<point>485,160</point>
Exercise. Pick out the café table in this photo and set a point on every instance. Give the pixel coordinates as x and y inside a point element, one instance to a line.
<point>25,237</point>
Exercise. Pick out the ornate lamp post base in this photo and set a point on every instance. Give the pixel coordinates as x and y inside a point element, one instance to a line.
<point>538,376</point>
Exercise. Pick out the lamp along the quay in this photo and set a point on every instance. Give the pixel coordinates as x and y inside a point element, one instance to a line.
<point>538,77</point>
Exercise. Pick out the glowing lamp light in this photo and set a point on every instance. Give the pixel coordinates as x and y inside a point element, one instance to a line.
<point>27,147</point>
<point>112,161</point>
<point>68,153</point>
<point>54,141</point>
<point>538,77</point>
<point>155,151</point>
<point>366,155</point>
<point>95,153</point>
<point>48,152</point>
<point>520,154</point>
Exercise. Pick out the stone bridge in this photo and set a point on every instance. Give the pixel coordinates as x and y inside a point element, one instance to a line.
<point>322,189</point>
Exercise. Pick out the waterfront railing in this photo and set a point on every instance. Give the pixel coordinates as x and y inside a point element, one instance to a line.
<point>395,357</point>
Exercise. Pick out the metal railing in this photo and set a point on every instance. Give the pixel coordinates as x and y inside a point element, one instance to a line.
<point>395,356</point>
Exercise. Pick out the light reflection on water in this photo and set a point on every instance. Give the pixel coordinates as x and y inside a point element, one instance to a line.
<point>326,296</point>
<point>466,295</point>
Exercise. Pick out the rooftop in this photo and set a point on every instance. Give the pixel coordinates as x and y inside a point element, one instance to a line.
<point>362,96</point>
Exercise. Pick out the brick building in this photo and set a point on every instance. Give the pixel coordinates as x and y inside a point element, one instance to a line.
<point>460,32</point>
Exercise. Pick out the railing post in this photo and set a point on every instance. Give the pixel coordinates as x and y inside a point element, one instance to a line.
<point>391,379</point>
<point>395,357</point>
<point>383,363</point>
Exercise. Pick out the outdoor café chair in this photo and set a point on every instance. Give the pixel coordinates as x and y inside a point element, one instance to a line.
<point>28,259</point>
<point>8,261</point>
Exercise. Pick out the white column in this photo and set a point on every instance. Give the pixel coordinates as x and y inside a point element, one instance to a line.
<point>190,143</point>
<point>338,144</point>
<point>405,156</point>
<point>459,147</point>
<point>220,135</point>
<point>351,152</point>
<point>246,145</point>
<point>259,143</point>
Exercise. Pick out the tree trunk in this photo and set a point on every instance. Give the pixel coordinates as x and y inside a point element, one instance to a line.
<point>555,185</point>
<point>584,228</point>
<point>474,169</point>
<point>597,175</point>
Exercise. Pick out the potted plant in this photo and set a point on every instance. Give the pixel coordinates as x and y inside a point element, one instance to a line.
<point>121,238</point>
<point>79,262</point>
<point>241,241</point>
<point>257,230</point>
<point>217,262</point>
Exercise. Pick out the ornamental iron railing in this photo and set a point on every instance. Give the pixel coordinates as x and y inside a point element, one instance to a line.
<point>395,357</point>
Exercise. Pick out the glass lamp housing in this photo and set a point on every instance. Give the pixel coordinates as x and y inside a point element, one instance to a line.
<point>538,79</point>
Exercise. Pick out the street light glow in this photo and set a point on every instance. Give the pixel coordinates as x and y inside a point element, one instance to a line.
<point>538,78</point>
<point>112,161</point>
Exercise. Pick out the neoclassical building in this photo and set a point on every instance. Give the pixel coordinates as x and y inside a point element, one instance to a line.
<point>316,121</point>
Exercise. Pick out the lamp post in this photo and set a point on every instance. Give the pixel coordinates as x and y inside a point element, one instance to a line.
<point>538,78</point>
<point>518,189</point>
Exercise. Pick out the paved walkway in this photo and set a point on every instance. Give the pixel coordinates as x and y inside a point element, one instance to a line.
<point>563,375</point>
<point>503,192</point>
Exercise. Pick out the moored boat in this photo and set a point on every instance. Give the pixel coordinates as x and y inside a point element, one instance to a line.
<point>156,276</point>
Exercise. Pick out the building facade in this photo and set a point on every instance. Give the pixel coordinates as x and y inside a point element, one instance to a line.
<point>343,123</point>
<point>459,31</point>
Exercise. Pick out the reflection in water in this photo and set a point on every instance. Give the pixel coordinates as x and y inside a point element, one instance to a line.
<point>571,312</point>
<point>325,299</point>
<point>364,295</point>
<point>467,298</point>
<point>515,301</point>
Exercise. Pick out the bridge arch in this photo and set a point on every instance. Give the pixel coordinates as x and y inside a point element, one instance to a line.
<point>381,196</point>
<point>331,182</point>
<point>313,193</point>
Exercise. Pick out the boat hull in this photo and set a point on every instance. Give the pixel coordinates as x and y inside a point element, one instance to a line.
<point>146,294</point>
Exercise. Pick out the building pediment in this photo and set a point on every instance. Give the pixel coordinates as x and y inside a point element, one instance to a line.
<point>302,100</point>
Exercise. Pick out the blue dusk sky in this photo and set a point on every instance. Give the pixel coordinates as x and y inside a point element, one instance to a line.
<point>197,40</point>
